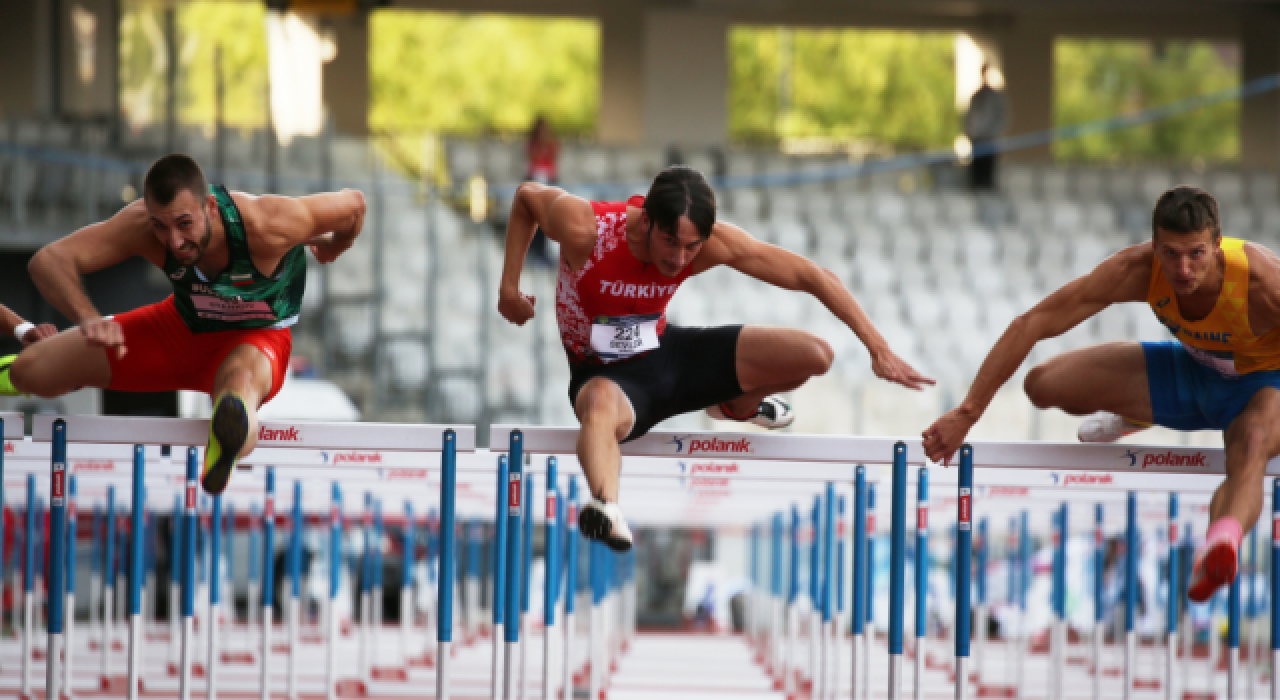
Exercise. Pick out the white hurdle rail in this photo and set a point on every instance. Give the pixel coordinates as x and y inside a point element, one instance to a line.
<point>772,466</point>
<point>1122,464</point>
<point>277,442</point>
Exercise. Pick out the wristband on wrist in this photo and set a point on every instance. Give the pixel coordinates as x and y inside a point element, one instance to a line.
<point>22,328</point>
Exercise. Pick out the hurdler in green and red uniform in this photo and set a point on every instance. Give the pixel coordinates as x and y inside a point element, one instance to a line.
<point>238,270</point>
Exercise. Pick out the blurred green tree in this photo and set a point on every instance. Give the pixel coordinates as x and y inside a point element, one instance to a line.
<point>884,88</point>
<point>238,29</point>
<point>1094,79</point>
<point>479,74</point>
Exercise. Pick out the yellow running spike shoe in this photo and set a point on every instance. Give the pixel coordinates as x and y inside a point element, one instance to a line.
<point>6,386</point>
<point>228,430</point>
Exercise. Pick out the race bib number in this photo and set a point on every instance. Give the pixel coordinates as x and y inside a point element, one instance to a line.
<point>616,338</point>
<point>1223,362</point>
<point>226,309</point>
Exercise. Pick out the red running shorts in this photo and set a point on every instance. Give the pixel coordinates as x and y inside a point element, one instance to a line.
<point>164,355</point>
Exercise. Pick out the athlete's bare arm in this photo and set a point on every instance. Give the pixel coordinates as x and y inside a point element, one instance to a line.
<point>58,267</point>
<point>564,218</point>
<point>327,223</point>
<point>9,322</point>
<point>732,246</point>
<point>1122,277</point>
<point>1264,288</point>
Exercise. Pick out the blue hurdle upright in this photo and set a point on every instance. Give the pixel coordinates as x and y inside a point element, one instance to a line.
<point>550,577</point>
<point>569,515</point>
<point>335,580</point>
<point>499,565</point>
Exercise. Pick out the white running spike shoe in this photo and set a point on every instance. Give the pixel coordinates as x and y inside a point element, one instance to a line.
<point>1106,427</point>
<point>772,413</point>
<point>601,520</point>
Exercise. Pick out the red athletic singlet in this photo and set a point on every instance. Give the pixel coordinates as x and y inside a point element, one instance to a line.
<point>615,307</point>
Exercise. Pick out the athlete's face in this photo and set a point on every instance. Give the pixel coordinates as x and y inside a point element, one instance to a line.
<point>183,225</point>
<point>1186,259</point>
<point>672,251</point>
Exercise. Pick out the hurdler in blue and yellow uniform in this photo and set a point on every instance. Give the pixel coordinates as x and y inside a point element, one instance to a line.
<point>1206,377</point>
<point>1220,298</point>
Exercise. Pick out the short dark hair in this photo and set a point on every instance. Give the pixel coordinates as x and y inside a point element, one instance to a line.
<point>170,175</point>
<point>1186,209</point>
<point>681,191</point>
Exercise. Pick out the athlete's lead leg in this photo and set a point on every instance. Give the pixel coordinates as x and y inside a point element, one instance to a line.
<point>772,360</point>
<point>1251,440</point>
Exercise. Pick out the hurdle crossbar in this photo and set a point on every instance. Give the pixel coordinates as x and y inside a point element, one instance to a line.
<point>1123,458</point>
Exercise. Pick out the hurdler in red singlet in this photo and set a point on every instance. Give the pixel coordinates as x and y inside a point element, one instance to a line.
<point>615,306</point>
<point>620,265</point>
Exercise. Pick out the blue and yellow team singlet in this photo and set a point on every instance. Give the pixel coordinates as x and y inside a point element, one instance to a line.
<point>1206,377</point>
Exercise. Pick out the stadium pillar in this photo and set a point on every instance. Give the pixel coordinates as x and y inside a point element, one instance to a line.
<point>1260,114</point>
<point>621,74</point>
<point>664,76</point>
<point>345,80</point>
<point>1026,52</point>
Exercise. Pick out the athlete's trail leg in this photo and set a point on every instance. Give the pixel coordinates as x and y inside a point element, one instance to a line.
<point>1110,377</point>
<point>772,360</point>
<point>1251,440</point>
<point>60,365</point>
<point>606,418</point>
<point>247,372</point>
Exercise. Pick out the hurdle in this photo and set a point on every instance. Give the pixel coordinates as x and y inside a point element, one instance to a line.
<point>136,535</point>
<point>496,684</point>
<point>335,580</point>
<point>90,432</point>
<point>569,513</point>
<point>514,578</point>
<point>1171,606</point>
<point>922,578</point>
<point>550,578</point>
<point>108,586</point>
<point>294,610</point>
<point>212,649</point>
<point>526,563</point>
<point>28,588</point>
<point>860,680</point>
<point>828,590</point>
<point>813,540</point>
<point>188,553</point>
<point>253,600</point>
<point>869,637</point>
<point>613,574</point>
<point>1275,584</point>
<point>375,619</point>
<point>366,595</point>
<point>71,581</point>
<point>407,615</point>
<point>175,584</point>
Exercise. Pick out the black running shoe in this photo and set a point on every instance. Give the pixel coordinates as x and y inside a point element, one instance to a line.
<point>228,430</point>
<point>603,521</point>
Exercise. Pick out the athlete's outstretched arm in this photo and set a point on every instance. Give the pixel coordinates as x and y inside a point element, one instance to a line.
<point>327,223</point>
<point>564,218</point>
<point>57,268</point>
<point>730,245</point>
<point>1122,277</point>
<point>10,320</point>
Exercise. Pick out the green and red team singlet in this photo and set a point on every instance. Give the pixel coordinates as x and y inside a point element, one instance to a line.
<point>240,297</point>
<point>181,342</point>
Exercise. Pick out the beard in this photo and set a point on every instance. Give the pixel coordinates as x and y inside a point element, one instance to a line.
<point>198,248</point>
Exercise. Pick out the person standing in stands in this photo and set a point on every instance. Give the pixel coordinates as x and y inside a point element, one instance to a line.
<point>983,124</point>
<point>543,153</point>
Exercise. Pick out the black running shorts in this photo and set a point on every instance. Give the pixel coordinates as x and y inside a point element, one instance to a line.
<point>692,369</point>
